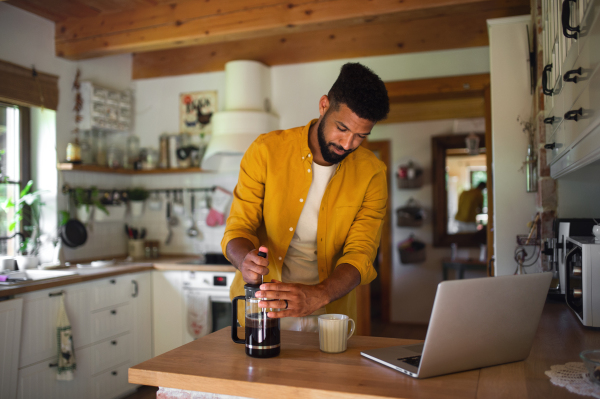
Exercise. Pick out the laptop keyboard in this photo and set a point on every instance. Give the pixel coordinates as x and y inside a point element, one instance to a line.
<point>413,360</point>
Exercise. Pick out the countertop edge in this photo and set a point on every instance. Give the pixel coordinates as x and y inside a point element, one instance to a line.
<point>110,271</point>
<point>244,389</point>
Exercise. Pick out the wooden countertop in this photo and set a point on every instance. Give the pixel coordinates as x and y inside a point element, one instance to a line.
<point>215,364</point>
<point>94,273</point>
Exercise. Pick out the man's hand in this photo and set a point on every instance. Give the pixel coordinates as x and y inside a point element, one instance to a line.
<point>302,300</point>
<point>253,267</point>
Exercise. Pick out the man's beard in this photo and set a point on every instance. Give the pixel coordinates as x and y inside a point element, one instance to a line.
<point>328,155</point>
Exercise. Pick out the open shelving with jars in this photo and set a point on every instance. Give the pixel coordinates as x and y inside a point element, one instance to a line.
<point>67,166</point>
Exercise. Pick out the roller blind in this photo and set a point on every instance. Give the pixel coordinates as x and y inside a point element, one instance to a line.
<point>21,86</point>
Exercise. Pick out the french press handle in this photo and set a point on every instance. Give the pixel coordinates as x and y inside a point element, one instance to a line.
<point>234,320</point>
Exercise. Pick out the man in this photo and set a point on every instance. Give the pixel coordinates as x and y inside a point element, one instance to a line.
<point>316,200</point>
<point>470,204</point>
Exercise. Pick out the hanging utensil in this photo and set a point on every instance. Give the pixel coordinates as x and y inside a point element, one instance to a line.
<point>193,230</point>
<point>73,233</point>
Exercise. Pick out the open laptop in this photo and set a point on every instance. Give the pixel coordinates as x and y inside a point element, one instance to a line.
<point>474,323</point>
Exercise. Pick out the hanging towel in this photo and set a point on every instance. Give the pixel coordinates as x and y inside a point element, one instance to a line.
<point>221,198</point>
<point>66,353</point>
<point>199,320</point>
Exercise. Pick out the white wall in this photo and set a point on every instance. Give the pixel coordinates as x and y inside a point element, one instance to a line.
<point>414,285</point>
<point>579,193</point>
<point>29,40</point>
<point>510,92</point>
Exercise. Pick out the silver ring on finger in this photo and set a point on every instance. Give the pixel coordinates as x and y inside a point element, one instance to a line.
<point>286,303</point>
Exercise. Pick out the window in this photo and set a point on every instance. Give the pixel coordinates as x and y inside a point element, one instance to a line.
<point>14,169</point>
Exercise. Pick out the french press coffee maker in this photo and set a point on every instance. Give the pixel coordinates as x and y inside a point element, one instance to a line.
<point>263,338</point>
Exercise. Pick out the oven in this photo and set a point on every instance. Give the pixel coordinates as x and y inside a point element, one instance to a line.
<point>207,303</point>
<point>582,291</point>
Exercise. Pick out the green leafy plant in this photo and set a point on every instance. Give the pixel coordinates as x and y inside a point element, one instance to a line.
<point>138,194</point>
<point>27,209</point>
<point>88,197</point>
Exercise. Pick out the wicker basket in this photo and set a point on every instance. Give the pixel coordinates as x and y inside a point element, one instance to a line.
<point>410,215</point>
<point>408,256</point>
<point>417,182</point>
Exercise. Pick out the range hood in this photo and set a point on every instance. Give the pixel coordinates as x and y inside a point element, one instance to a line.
<point>246,115</point>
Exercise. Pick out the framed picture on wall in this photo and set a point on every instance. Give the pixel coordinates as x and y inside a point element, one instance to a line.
<point>196,110</point>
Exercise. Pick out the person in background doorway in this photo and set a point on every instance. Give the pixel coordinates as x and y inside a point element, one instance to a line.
<point>316,199</point>
<point>470,204</point>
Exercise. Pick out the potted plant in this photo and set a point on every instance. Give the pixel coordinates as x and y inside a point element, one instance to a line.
<point>27,210</point>
<point>136,197</point>
<point>86,201</point>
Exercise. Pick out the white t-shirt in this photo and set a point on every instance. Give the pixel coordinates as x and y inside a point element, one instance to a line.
<point>300,263</point>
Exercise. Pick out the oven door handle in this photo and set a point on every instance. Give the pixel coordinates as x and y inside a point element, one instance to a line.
<point>569,253</point>
<point>219,299</point>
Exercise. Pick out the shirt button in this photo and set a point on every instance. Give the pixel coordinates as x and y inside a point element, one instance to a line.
<point>301,200</point>
<point>309,155</point>
<point>302,157</point>
<point>280,258</point>
<point>309,171</point>
<point>291,229</point>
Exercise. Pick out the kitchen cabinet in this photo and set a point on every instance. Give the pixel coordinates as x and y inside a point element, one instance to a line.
<point>10,339</point>
<point>167,307</point>
<point>571,83</point>
<point>111,320</point>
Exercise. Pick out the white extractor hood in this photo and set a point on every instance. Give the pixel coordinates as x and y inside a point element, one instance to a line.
<point>247,115</point>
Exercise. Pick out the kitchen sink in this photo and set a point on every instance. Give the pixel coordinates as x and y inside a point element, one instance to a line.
<point>24,276</point>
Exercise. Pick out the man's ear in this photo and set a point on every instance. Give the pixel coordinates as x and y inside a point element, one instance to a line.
<point>323,104</point>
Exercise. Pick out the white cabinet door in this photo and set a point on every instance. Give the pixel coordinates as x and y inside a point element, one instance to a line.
<point>39,380</point>
<point>40,314</point>
<point>10,339</point>
<point>141,299</point>
<point>111,292</point>
<point>109,322</point>
<point>167,309</point>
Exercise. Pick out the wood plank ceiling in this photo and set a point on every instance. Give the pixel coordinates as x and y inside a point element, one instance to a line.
<point>173,37</point>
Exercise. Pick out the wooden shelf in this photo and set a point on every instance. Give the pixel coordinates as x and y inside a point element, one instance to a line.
<point>103,169</point>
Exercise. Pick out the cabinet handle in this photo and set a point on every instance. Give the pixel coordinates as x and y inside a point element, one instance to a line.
<point>545,89</point>
<point>113,312</point>
<point>113,342</point>
<point>549,120</point>
<point>114,373</point>
<point>59,293</point>
<point>573,115</point>
<point>568,78</point>
<point>550,146</point>
<point>566,17</point>
<point>135,288</point>
<point>113,281</point>
<point>53,365</point>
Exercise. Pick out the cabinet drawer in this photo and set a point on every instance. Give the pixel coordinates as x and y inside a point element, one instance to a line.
<point>111,353</point>
<point>39,380</point>
<point>587,106</point>
<point>110,384</point>
<point>40,312</point>
<point>111,291</point>
<point>108,322</point>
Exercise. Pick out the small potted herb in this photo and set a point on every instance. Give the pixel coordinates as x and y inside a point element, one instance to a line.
<point>137,196</point>
<point>85,201</point>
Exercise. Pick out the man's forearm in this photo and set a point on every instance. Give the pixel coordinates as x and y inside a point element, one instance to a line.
<point>344,279</point>
<point>237,249</point>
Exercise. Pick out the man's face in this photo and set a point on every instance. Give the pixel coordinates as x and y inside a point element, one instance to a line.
<point>340,132</point>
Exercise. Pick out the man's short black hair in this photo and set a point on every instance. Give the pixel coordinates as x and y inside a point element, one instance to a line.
<point>362,91</point>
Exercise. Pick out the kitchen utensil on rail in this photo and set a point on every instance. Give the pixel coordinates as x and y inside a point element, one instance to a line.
<point>193,230</point>
<point>177,206</point>
<point>171,220</point>
<point>263,337</point>
<point>73,232</point>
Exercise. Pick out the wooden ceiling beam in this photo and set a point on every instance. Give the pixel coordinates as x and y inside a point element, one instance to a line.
<point>464,86</point>
<point>454,108</point>
<point>188,23</point>
<point>391,37</point>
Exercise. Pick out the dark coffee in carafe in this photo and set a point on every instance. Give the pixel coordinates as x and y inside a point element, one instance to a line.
<point>262,336</point>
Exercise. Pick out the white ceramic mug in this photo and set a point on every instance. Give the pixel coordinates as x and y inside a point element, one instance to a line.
<point>333,332</point>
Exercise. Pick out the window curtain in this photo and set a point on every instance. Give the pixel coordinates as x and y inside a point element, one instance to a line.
<point>27,87</point>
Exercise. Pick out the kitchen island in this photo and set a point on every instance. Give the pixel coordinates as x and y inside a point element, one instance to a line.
<point>215,364</point>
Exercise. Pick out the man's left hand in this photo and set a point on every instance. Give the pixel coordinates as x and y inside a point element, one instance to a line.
<point>302,300</point>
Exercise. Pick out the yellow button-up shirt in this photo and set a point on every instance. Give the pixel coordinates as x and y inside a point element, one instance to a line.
<point>275,176</point>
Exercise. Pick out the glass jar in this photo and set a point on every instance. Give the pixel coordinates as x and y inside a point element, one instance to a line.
<point>87,157</point>
<point>74,151</point>
<point>113,157</point>
<point>101,149</point>
<point>132,152</point>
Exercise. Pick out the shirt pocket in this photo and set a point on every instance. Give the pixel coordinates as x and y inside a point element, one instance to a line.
<point>343,218</point>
